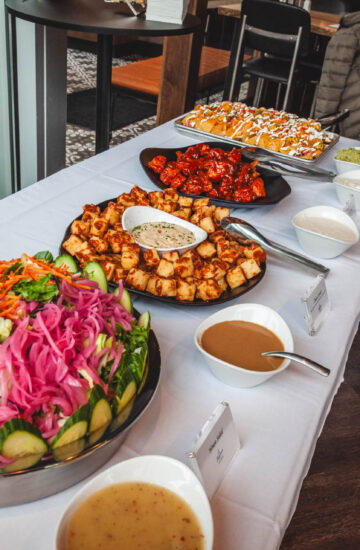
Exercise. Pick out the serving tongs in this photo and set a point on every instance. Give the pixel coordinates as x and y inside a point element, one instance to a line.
<point>244,232</point>
<point>271,162</point>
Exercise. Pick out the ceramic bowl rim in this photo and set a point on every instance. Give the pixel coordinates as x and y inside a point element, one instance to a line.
<point>179,221</point>
<point>235,368</point>
<point>326,237</point>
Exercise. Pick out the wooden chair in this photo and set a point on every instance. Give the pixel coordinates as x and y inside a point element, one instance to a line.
<point>144,76</point>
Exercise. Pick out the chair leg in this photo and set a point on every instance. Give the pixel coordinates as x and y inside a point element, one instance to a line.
<point>292,70</point>
<point>278,94</point>
<point>313,103</point>
<point>258,92</point>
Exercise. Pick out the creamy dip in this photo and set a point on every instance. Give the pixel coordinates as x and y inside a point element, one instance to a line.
<point>327,227</point>
<point>134,516</point>
<point>349,182</point>
<point>162,235</point>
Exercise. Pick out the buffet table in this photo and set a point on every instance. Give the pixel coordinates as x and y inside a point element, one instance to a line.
<point>278,422</point>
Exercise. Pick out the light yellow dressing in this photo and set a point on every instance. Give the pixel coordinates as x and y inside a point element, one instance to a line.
<point>162,235</point>
<point>134,516</point>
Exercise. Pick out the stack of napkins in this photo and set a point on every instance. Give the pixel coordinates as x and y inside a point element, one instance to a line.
<point>169,11</point>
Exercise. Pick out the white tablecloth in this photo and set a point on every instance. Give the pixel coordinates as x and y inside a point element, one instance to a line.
<point>278,422</point>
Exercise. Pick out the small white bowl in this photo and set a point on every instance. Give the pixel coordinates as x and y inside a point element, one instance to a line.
<point>158,470</point>
<point>252,313</point>
<point>137,215</point>
<point>346,166</point>
<point>344,190</point>
<point>319,245</point>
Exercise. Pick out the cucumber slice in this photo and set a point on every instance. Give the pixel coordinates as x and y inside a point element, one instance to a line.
<point>95,272</point>
<point>125,299</point>
<point>125,389</point>
<point>122,416</point>
<point>70,450</point>
<point>144,320</point>
<point>100,412</point>
<point>22,463</point>
<point>144,367</point>
<point>97,434</point>
<point>19,438</point>
<point>67,261</point>
<point>74,428</point>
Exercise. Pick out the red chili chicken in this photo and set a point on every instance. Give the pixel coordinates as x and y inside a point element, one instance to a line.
<point>213,172</point>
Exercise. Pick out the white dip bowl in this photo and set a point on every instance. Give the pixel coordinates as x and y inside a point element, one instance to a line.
<point>348,184</point>
<point>320,245</point>
<point>252,313</point>
<point>158,470</point>
<point>137,215</point>
<point>346,166</point>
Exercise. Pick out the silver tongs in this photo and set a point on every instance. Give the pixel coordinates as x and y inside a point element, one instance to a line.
<point>243,231</point>
<point>270,162</point>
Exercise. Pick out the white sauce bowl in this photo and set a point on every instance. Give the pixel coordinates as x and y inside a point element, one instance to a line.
<point>137,215</point>
<point>252,313</point>
<point>346,166</point>
<point>319,245</point>
<point>344,189</point>
<point>158,470</point>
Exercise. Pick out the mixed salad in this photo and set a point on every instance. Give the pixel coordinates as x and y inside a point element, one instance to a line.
<point>72,355</point>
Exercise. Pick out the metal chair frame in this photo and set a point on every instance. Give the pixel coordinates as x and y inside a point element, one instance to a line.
<point>236,70</point>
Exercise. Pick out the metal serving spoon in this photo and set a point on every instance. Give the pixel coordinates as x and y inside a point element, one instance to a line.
<point>269,161</point>
<point>299,359</point>
<point>243,231</point>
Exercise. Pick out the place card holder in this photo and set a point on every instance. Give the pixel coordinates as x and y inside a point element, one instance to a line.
<point>316,304</point>
<point>215,447</point>
<point>350,207</point>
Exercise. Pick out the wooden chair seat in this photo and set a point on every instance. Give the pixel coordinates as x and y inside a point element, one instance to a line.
<point>144,76</point>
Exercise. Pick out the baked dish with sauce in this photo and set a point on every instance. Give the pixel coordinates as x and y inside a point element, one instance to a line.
<point>268,128</point>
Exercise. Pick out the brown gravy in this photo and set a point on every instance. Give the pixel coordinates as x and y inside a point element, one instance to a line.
<point>241,343</point>
<point>134,516</point>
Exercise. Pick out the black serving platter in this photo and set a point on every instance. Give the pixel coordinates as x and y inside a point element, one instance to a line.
<point>225,296</point>
<point>276,187</point>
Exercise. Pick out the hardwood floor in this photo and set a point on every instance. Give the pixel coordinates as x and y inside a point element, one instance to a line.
<point>328,512</point>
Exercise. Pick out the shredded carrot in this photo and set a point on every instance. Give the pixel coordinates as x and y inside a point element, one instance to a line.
<point>34,269</point>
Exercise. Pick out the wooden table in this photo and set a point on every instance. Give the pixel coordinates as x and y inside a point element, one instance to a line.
<point>324,24</point>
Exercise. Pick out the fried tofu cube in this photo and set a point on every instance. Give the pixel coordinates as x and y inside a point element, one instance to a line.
<point>92,210</point>
<point>201,202</point>
<point>196,217</point>
<point>250,268</point>
<point>206,249</point>
<point>165,268</point>
<point>109,268</point>
<point>227,251</point>
<point>161,287</point>
<point>115,239</point>
<point>235,277</point>
<point>207,224</point>
<point>220,213</point>
<point>191,254</point>
<point>185,202</point>
<point>120,274</point>
<point>111,213</point>
<point>185,291</point>
<point>171,256</point>
<point>79,227</point>
<point>255,252</point>
<point>125,199</point>
<point>184,267</point>
<point>183,213</point>
<point>73,244</point>
<point>137,278</point>
<point>138,193</point>
<point>85,254</point>
<point>222,284</point>
<point>206,211</point>
<point>118,227</point>
<point>214,270</point>
<point>99,244</point>
<point>208,289</point>
<point>151,257</point>
<point>217,236</point>
<point>198,267</point>
<point>171,194</point>
<point>130,255</point>
<point>155,197</point>
<point>166,206</point>
<point>98,227</point>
